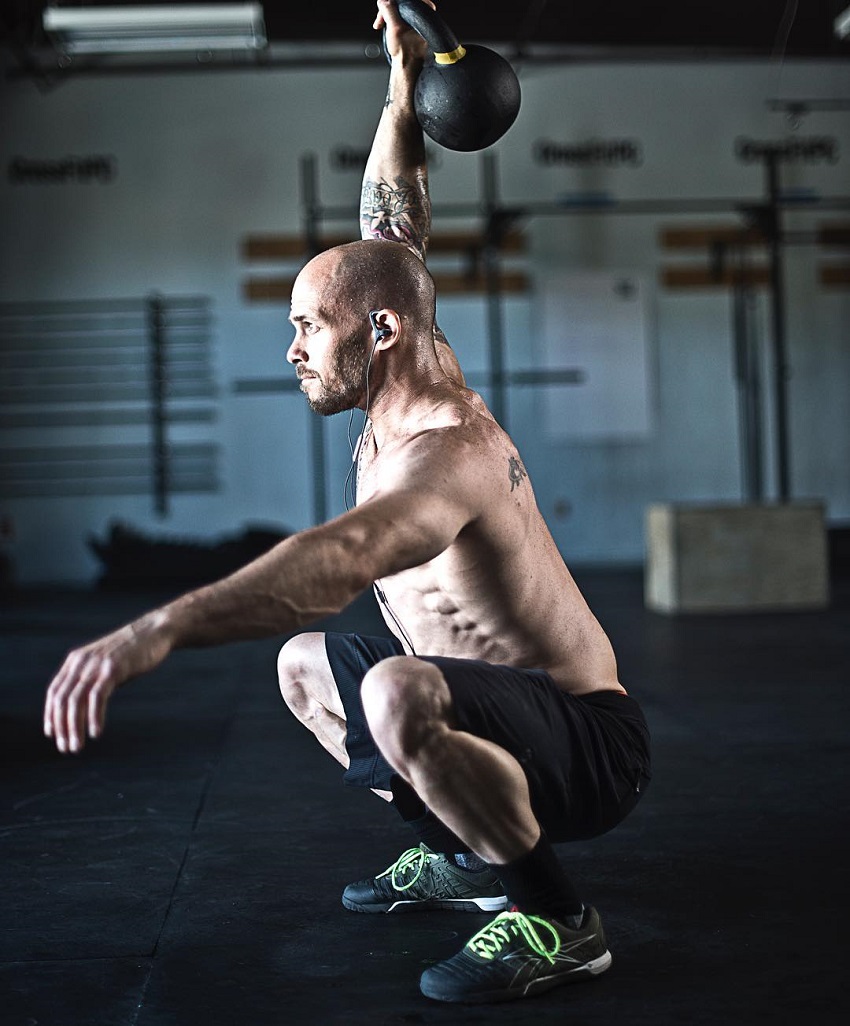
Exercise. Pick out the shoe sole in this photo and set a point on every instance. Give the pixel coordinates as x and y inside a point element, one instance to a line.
<point>595,967</point>
<point>489,905</point>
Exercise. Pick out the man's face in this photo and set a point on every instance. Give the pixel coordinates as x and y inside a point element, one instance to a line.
<point>330,352</point>
<point>341,384</point>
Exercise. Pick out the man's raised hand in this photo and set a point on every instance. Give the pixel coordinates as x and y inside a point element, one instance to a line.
<point>400,37</point>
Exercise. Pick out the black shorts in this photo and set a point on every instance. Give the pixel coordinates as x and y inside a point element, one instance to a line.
<point>586,758</point>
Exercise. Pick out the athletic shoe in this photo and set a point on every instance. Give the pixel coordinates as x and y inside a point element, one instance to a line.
<point>423,880</point>
<point>519,955</point>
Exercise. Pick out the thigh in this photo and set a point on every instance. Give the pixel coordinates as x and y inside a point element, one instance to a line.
<point>577,789</point>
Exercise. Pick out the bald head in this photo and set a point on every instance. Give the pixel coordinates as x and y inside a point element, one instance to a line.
<point>372,275</point>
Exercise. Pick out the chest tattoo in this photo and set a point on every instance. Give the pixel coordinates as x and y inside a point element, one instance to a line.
<point>516,472</point>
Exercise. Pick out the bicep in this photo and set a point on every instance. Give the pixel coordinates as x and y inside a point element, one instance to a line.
<point>427,493</point>
<point>409,528</point>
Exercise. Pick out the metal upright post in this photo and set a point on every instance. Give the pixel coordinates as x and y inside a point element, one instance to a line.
<point>495,319</point>
<point>777,298</point>
<point>309,193</point>
<point>747,374</point>
<point>156,341</point>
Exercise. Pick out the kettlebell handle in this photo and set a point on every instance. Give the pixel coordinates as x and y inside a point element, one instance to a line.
<point>436,33</point>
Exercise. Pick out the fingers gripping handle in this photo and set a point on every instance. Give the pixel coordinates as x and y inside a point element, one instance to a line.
<point>436,33</point>
<point>467,97</point>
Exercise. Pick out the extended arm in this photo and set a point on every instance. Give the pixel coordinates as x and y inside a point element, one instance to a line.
<point>309,576</point>
<point>395,204</point>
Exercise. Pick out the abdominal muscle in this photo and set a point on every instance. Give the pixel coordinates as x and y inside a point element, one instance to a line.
<point>456,605</point>
<point>501,591</point>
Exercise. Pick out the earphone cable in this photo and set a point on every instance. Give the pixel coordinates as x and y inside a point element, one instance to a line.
<point>349,496</point>
<point>349,489</point>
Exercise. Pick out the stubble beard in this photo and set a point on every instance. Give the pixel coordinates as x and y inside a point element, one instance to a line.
<point>349,370</point>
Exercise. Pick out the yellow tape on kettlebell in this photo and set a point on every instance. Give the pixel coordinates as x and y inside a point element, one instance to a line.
<point>452,57</point>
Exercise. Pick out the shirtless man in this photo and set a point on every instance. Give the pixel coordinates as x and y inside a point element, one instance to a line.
<point>494,718</point>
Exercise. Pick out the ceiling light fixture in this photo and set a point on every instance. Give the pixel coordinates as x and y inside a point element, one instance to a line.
<point>148,29</point>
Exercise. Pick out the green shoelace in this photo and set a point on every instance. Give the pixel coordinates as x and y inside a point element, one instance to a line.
<point>488,943</point>
<point>413,860</point>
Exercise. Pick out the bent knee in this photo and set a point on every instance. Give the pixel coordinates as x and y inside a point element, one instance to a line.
<point>297,654</point>
<point>404,696</point>
<point>298,667</point>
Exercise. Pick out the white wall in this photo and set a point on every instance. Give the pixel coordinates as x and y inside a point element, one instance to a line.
<point>205,159</point>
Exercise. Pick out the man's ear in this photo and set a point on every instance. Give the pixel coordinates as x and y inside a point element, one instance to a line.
<point>386,327</point>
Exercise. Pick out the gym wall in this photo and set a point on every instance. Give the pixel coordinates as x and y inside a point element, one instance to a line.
<point>131,185</point>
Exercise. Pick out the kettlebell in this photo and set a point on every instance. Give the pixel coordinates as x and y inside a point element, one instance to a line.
<point>466,97</point>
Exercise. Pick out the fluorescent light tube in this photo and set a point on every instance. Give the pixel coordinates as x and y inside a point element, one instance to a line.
<point>88,30</point>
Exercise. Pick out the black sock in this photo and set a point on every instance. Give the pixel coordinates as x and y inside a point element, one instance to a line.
<point>537,884</point>
<point>430,830</point>
<point>469,861</point>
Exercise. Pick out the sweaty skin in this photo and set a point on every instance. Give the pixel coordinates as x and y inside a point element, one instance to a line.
<point>473,570</point>
<point>446,517</point>
<point>498,589</point>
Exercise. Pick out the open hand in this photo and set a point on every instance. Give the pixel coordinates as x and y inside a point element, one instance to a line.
<point>78,694</point>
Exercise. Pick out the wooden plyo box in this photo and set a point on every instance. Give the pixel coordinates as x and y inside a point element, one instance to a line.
<point>725,559</point>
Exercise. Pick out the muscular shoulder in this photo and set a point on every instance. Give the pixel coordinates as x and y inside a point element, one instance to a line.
<point>459,448</point>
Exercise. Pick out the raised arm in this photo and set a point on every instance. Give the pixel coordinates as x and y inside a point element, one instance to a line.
<point>395,204</point>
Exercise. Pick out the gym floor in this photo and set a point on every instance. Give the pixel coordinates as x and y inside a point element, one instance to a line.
<point>186,869</point>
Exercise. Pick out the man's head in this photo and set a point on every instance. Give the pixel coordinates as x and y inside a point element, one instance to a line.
<point>334,338</point>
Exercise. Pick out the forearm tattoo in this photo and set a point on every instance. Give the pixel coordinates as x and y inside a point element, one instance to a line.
<point>396,213</point>
<point>516,472</point>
